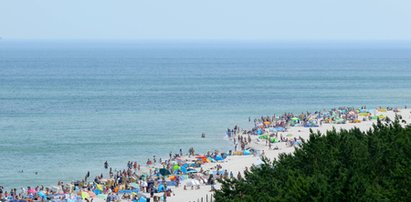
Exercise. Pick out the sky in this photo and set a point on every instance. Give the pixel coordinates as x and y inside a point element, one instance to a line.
<point>257,20</point>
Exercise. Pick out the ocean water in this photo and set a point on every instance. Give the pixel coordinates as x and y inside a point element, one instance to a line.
<point>66,108</point>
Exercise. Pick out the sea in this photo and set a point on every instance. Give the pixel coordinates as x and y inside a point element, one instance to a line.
<point>67,107</point>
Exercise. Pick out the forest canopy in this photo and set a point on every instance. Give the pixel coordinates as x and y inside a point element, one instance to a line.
<point>346,165</point>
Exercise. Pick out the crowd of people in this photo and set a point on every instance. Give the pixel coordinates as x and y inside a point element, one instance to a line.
<point>153,180</point>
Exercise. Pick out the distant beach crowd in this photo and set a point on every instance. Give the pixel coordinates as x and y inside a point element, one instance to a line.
<point>155,179</point>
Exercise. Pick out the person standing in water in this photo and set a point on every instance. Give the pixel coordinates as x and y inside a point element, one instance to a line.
<point>106,165</point>
<point>87,176</point>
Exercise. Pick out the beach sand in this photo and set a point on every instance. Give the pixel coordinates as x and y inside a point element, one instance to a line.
<point>239,163</point>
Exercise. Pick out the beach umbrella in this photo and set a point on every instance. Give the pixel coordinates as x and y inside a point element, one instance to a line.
<point>99,187</point>
<point>176,167</point>
<point>84,195</point>
<point>266,122</point>
<point>164,172</point>
<point>273,140</point>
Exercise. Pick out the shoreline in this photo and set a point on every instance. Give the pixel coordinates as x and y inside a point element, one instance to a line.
<point>282,142</point>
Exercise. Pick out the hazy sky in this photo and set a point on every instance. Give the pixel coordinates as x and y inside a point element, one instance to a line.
<point>207,19</point>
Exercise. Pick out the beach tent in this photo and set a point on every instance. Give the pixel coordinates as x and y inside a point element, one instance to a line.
<point>219,158</point>
<point>161,188</point>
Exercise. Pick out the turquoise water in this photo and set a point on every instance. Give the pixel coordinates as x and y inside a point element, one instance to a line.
<point>67,108</point>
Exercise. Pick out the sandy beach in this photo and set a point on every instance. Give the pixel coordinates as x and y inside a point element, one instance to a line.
<point>131,185</point>
<point>239,163</point>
